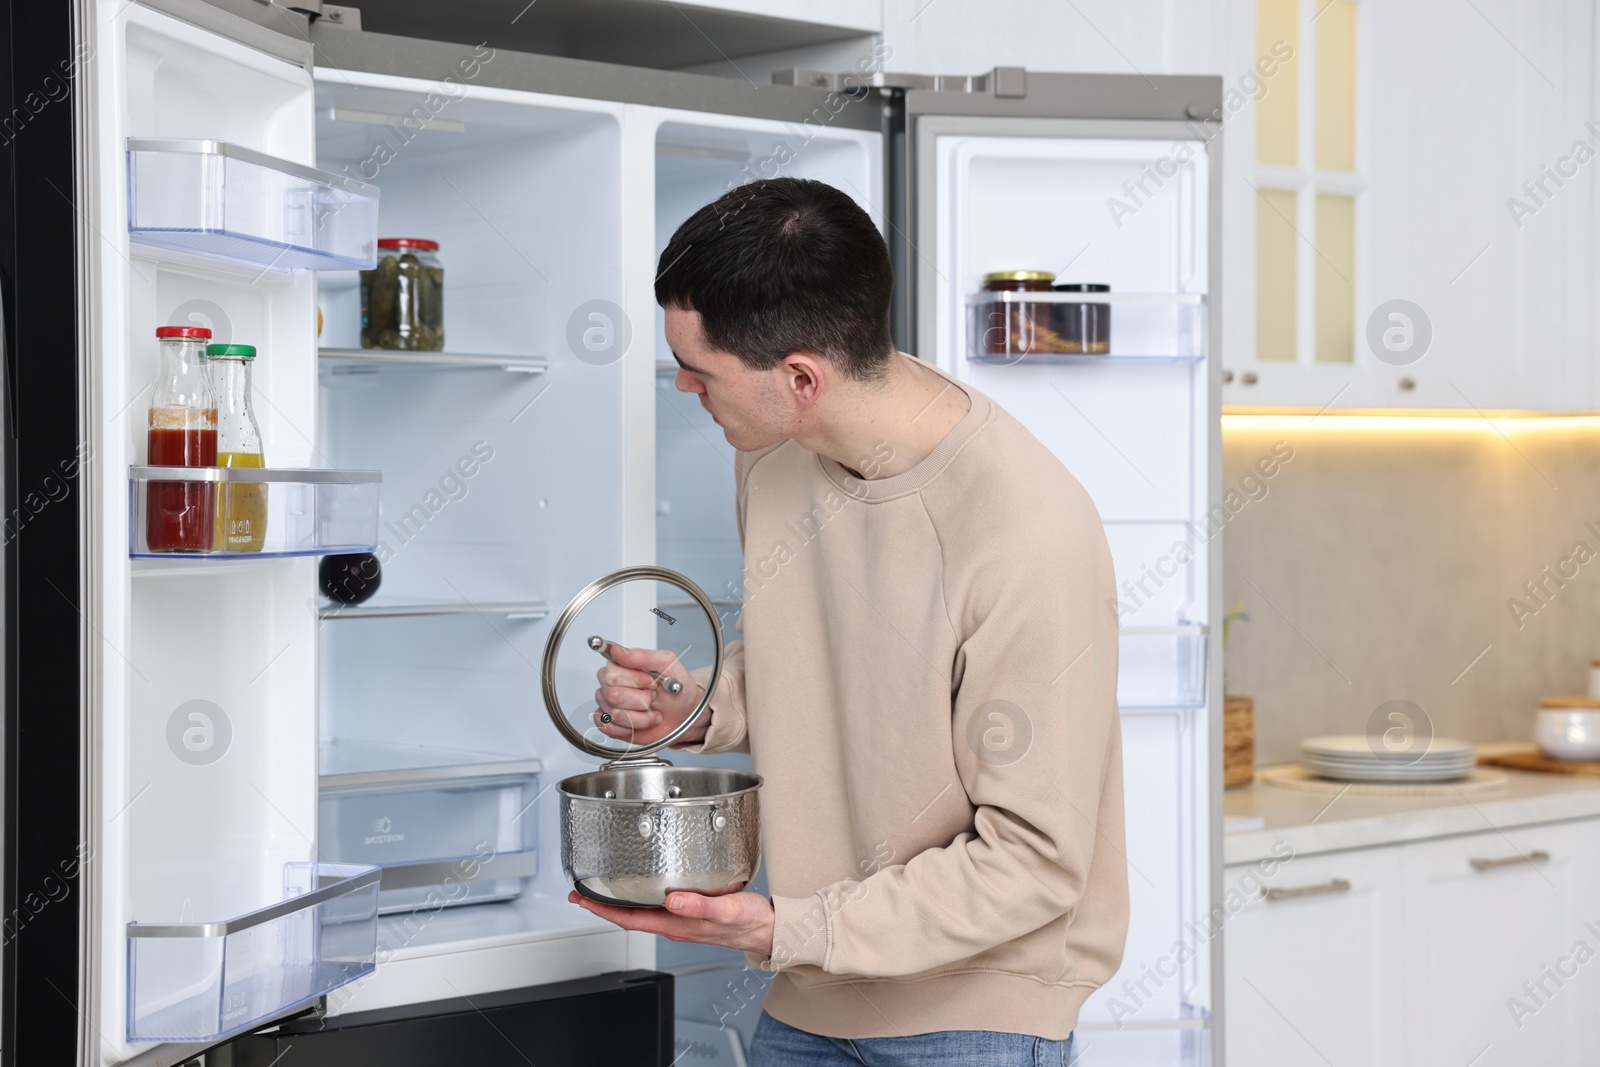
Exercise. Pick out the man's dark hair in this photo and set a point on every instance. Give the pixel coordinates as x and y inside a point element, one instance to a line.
<point>783,265</point>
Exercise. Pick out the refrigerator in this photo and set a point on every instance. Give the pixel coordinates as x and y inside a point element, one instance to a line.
<point>213,774</point>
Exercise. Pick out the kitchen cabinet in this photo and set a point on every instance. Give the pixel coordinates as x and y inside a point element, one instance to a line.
<point>1417,954</point>
<point>1462,116</point>
<point>1310,971</point>
<point>1486,913</point>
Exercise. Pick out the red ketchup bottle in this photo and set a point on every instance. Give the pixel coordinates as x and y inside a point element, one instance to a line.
<point>183,433</point>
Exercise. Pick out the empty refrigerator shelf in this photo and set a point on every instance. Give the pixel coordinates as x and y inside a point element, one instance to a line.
<point>532,917</point>
<point>206,981</point>
<point>347,760</point>
<point>232,204</point>
<point>1051,327</point>
<point>436,360</point>
<point>187,513</point>
<point>514,610</point>
<point>1162,666</point>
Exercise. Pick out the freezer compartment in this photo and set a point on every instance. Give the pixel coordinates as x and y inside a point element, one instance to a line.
<point>1061,327</point>
<point>448,828</point>
<point>203,981</point>
<point>250,512</point>
<point>224,202</point>
<point>1162,666</point>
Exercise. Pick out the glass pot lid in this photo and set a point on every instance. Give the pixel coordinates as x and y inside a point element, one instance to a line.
<point>636,608</point>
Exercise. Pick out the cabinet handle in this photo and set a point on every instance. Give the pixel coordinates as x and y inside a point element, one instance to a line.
<point>1249,377</point>
<point>1227,377</point>
<point>1538,855</point>
<point>1338,885</point>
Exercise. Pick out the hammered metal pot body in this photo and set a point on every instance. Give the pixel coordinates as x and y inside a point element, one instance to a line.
<point>632,834</point>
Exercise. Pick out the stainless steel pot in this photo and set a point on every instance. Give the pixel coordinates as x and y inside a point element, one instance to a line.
<point>638,828</point>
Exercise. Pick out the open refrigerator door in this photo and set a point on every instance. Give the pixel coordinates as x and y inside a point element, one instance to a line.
<point>209,908</point>
<point>1065,262</point>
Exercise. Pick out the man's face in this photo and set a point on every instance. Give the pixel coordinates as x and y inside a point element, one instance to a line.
<point>752,406</point>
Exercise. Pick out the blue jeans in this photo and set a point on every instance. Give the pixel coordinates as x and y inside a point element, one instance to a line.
<point>780,1045</point>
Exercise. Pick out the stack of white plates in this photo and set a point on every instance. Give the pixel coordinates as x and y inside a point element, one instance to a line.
<point>1358,758</point>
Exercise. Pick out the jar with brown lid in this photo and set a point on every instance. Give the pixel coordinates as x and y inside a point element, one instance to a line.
<point>1016,328</point>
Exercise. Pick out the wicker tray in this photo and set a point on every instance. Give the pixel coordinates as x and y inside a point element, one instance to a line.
<point>1534,760</point>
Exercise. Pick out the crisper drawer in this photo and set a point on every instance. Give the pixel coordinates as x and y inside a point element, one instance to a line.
<point>448,828</point>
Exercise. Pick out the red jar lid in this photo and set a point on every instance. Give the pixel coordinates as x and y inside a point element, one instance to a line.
<point>202,333</point>
<point>409,242</point>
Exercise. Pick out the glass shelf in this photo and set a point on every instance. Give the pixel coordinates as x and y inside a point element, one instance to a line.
<point>267,512</point>
<point>207,981</point>
<point>447,827</point>
<point>1162,666</point>
<point>514,610</point>
<point>355,357</point>
<point>1007,328</point>
<point>228,203</point>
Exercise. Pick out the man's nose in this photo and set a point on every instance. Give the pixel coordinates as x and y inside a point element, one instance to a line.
<point>685,382</point>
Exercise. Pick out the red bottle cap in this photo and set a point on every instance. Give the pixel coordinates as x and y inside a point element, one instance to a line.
<point>408,242</point>
<point>201,333</point>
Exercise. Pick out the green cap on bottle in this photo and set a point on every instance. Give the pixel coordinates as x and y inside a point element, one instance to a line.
<point>232,351</point>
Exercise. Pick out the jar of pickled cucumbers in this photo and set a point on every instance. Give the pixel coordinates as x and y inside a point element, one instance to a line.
<point>402,298</point>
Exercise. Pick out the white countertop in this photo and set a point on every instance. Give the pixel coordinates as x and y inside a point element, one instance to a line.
<point>1315,822</point>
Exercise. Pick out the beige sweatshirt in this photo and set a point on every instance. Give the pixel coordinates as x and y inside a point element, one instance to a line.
<point>927,682</point>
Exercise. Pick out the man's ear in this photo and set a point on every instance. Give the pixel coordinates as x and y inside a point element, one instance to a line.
<point>807,376</point>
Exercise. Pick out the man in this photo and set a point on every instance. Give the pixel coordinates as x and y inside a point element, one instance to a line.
<point>927,676</point>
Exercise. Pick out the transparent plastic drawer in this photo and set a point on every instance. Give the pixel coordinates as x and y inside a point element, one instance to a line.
<point>218,200</point>
<point>1040,327</point>
<point>448,828</point>
<point>1162,666</point>
<point>204,981</point>
<point>250,512</point>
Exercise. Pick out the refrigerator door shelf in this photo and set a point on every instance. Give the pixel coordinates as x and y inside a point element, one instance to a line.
<point>1162,667</point>
<point>224,202</point>
<point>206,981</point>
<point>266,512</point>
<point>1049,327</point>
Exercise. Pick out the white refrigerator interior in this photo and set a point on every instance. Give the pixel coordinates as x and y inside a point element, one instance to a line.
<point>507,490</point>
<point>543,207</point>
<point>1136,426</point>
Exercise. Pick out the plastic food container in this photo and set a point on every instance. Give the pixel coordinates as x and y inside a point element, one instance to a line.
<point>639,828</point>
<point>402,297</point>
<point>445,833</point>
